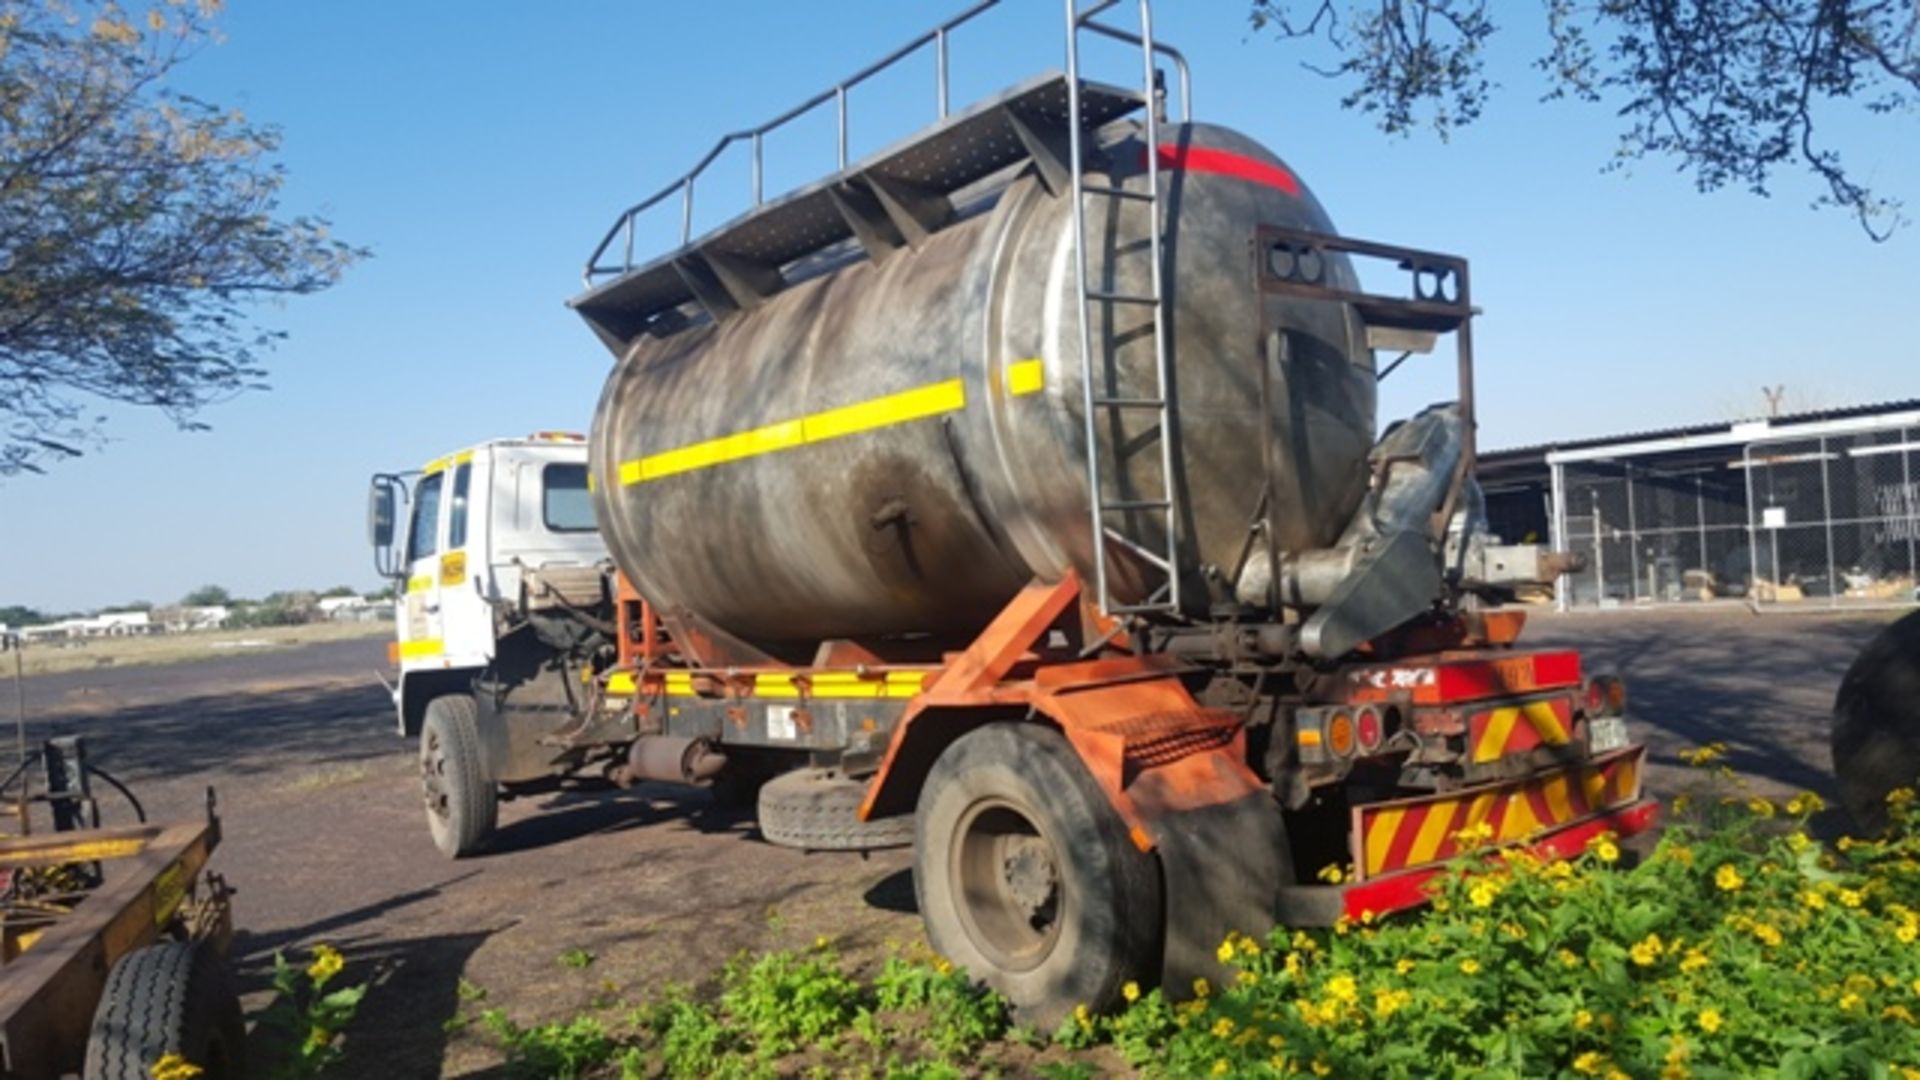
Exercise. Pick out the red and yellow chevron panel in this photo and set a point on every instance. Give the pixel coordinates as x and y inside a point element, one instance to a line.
<point>1516,729</point>
<point>1406,833</point>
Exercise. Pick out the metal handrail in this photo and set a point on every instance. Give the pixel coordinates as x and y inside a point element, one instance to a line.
<point>837,93</point>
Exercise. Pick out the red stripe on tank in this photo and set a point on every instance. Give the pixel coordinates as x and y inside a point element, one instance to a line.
<point>1207,159</point>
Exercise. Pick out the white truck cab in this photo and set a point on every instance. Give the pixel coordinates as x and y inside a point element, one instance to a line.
<point>505,585</point>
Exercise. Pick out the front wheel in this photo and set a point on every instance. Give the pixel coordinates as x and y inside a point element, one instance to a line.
<point>1026,877</point>
<point>462,802</point>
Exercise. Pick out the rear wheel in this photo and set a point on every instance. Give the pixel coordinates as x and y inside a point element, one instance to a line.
<point>462,802</point>
<point>1026,877</point>
<point>172,998</point>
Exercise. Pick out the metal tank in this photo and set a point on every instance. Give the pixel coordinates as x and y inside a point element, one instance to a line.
<point>891,449</point>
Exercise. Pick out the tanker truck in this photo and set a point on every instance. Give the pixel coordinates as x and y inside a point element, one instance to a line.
<point>1015,491</point>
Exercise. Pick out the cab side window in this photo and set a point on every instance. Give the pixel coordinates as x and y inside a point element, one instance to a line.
<point>422,537</point>
<point>457,523</point>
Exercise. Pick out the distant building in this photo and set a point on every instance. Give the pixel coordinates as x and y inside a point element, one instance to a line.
<point>354,609</point>
<point>1814,508</point>
<point>105,624</point>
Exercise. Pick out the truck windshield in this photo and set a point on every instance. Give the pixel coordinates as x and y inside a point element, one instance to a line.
<point>565,503</point>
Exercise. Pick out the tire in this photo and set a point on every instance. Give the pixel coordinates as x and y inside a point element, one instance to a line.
<point>172,998</point>
<point>1876,724</point>
<point>1026,877</point>
<point>462,802</point>
<point>819,810</point>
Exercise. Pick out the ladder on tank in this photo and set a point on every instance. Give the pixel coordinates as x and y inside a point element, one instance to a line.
<point>1106,401</point>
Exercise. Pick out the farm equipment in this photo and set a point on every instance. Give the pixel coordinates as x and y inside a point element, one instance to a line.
<point>1015,491</point>
<point>1876,723</point>
<point>112,940</point>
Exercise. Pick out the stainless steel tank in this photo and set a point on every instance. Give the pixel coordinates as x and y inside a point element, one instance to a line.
<point>893,449</point>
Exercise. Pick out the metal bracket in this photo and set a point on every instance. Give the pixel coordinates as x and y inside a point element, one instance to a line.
<point>915,211</point>
<point>1047,145</point>
<point>871,226</point>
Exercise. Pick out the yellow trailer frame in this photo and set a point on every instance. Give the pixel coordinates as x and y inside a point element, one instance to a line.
<point>53,969</point>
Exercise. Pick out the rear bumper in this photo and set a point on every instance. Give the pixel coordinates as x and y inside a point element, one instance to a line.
<point>1399,846</point>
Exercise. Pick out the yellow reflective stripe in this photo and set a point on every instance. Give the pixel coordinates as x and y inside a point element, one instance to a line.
<point>1026,377</point>
<point>822,684</point>
<point>1519,822</point>
<point>1546,723</point>
<point>1433,829</point>
<point>1380,836</point>
<point>441,464</point>
<point>1493,737</point>
<point>1558,799</point>
<point>421,648</point>
<point>915,404</point>
<point>620,684</point>
<point>420,584</point>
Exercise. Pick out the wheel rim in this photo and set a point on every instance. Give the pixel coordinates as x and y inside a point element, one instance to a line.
<point>1008,887</point>
<point>433,773</point>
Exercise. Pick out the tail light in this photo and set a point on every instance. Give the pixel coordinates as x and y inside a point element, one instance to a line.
<point>1340,734</point>
<point>1605,695</point>
<point>1368,728</point>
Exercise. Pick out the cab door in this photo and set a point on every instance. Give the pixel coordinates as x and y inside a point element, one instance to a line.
<point>422,627</point>
<point>466,615</point>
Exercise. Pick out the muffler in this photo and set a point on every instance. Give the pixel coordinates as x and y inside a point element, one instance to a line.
<point>672,759</point>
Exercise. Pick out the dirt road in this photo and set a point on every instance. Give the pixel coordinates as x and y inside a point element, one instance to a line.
<point>325,839</point>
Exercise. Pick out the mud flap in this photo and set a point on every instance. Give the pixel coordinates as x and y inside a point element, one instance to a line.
<point>1223,868</point>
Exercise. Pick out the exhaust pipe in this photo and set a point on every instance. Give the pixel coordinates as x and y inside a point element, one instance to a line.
<point>672,759</point>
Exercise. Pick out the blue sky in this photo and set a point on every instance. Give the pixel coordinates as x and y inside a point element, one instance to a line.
<point>481,149</point>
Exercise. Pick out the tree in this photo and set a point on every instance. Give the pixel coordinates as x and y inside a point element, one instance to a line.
<point>137,225</point>
<point>1727,88</point>
<point>207,596</point>
<point>16,615</point>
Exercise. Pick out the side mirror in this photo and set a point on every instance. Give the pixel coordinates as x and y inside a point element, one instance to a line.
<point>385,496</point>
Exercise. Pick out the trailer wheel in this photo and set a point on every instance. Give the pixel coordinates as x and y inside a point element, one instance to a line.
<point>462,803</point>
<point>172,998</point>
<point>819,810</point>
<point>1026,877</point>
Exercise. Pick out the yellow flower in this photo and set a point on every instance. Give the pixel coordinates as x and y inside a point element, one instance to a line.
<point>1201,987</point>
<point>1806,803</point>
<point>1131,991</point>
<point>1899,797</point>
<point>1606,851</point>
<point>1897,1012</point>
<point>1760,806</point>
<point>1694,960</point>
<point>317,1038</point>
<point>1813,901</point>
<point>1332,874</point>
<point>1647,951</point>
<point>1799,841</point>
<point>1388,1002</point>
<point>1483,893</point>
<point>1850,1001</point>
<point>1082,1017</point>
<point>1222,1028</point>
<point>1470,967</point>
<point>1403,966</point>
<point>1568,958</point>
<point>1850,897</point>
<point>1705,755</point>
<point>1224,953</point>
<point>1767,934</point>
<point>1559,870</point>
<point>327,963</point>
<point>174,1067</point>
<point>1590,1063</point>
<point>1321,1068</point>
<point>1728,878</point>
<point>1582,1020</point>
<point>1248,946</point>
<point>1906,932</point>
<point>1709,1020</point>
<point>1220,1067</point>
<point>1343,988</point>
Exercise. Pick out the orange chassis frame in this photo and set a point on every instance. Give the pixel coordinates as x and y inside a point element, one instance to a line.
<point>1176,771</point>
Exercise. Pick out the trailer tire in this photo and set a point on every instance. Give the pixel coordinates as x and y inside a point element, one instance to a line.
<point>819,810</point>
<point>172,998</point>
<point>1027,878</point>
<point>462,801</point>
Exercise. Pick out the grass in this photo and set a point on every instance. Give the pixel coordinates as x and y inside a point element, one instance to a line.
<point>87,654</point>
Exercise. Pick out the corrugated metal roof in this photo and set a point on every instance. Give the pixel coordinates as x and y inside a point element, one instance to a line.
<point>1537,453</point>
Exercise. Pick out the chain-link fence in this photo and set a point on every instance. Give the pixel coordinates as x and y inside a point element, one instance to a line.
<point>1832,520</point>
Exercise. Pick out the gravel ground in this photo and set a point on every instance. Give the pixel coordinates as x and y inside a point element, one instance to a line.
<point>325,842</point>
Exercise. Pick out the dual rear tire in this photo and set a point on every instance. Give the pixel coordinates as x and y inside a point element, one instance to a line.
<point>1026,876</point>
